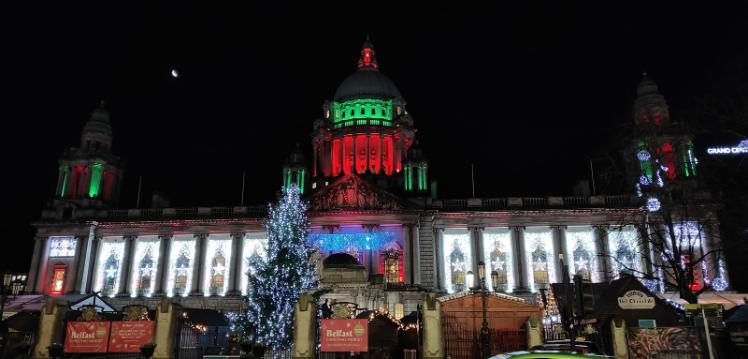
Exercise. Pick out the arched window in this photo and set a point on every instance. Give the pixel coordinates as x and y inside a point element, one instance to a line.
<point>391,263</point>
<point>217,272</point>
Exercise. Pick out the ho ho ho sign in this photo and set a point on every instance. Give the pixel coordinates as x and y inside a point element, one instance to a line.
<point>636,299</point>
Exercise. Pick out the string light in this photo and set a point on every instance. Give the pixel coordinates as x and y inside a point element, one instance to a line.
<point>282,276</point>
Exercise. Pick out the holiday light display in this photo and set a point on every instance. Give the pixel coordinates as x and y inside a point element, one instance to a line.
<point>109,266</point>
<point>581,247</point>
<point>497,253</point>
<point>653,204</point>
<point>96,170</point>
<point>280,279</point>
<point>62,246</point>
<point>457,259</point>
<point>539,257</point>
<point>216,266</point>
<point>253,246</point>
<point>181,262</point>
<point>720,283</point>
<point>341,242</point>
<point>623,249</point>
<point>144,273</point>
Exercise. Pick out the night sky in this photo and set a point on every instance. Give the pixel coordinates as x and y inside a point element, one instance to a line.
<point>526,94</point>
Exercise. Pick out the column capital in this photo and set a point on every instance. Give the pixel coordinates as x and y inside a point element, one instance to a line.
<point>237,235</point>
<point>559,226</point>
<point>370,227</point>
<point>475,227</point>
<point>165,235</point>
<point>201,235</point>
<point>601,227</point>
<point>518,228</point>
<point>331,228</point>
<point>130,237</point>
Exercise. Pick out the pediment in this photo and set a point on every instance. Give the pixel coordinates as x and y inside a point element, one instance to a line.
<point>351,192</point>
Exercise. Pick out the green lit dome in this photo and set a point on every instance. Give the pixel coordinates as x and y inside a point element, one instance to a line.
<point>367,83</point>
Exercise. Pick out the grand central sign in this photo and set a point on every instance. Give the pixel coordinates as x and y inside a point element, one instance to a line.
<point>636,299</point>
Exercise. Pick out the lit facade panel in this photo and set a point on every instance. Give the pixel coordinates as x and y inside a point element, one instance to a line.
<point>539,256</point>
<point>181,265</point>
<point>624,250</point>
<point>499,259</point>
<point>253,248</point>
<point>582,251</point>
<point>144,273</point>
<point>62,246</point>
<point>217,261</point>
<point>457,259</point>
<point>109,265</point>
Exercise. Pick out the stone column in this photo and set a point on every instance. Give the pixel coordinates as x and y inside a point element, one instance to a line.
<point>559,243</point>
<point>379,153</point>
<point>128,262</point>
<point>162,279</point>
<point>416,256</point>
<point>35,270</point>
<point>368,152</point>
<point>439,236</point>
<point>407,254</point>
<point>476,236</point>
<point>80,260</point>
<point>355,155</point>
<point>518,248</point>
<point>235,264</point>
<point>200,258</point>
<point>94,263</point>
<point>604,262</point>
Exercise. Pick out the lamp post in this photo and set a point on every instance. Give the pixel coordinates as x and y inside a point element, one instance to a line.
<point>484,339</point>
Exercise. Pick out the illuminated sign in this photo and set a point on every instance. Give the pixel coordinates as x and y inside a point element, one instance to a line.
<point>344,335</point>
<point>740,148</point>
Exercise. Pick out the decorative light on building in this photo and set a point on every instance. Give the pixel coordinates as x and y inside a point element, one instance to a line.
<point>216,266</point>
<point>498,255</point>
<point>62,246</point>
<point>343,241</point>
<point>109,266</point>
<point>182,259</point>
<point>720,283</point>
<point>539,257</point>
<point>623,247</point>
<point>643,155</point>
<point>653,204</point>
<point>644,181</point>
<point>252,247</point>
<point>457,259</point>
<point>144,273</point>
<point>580,245</point>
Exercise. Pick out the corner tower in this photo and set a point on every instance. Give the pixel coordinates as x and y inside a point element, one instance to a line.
<point>89,175</point>
<point>661,151</point>
<point>365,130</point>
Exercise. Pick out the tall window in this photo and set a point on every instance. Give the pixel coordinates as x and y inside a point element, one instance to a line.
<point>457,259</point>
<point>182,258</point>
<point>62,246</point>
<point>625,254</point>
<point>497,254</point>
<point>144,274</point>
<point>109,267</point>
<point>391,263</point>
<point>539,256</point>
<point>580,246</point>
<point>254,247</point>
<point>217,265</point>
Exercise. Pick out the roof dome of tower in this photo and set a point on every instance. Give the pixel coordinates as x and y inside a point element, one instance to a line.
<point>367,81</point>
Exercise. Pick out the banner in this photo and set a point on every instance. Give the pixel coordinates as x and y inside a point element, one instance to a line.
<point>129,336</point>
<point>344,335</point>
<point>87,337</point>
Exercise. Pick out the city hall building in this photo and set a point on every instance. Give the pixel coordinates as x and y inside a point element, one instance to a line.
<point>384,238</point>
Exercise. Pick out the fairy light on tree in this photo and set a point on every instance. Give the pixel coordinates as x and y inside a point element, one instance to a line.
<point>282,276</point>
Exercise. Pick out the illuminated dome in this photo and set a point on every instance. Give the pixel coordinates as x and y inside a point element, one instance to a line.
<point>367,81</point>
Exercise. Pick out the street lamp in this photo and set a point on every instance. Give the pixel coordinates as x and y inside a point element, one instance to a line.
<point>484,339</point>
<point>469,280</point>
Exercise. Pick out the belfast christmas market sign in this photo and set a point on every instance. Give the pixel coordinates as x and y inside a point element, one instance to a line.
<point>87,337</point>
<point>636,299</point>
<point>129,336</point>
<point>739,149</point>
<point>344,335</point>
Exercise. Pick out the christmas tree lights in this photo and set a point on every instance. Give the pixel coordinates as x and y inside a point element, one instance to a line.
<point>283,276</point>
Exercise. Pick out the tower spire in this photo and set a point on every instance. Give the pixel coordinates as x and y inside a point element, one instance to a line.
<point>368,59</point>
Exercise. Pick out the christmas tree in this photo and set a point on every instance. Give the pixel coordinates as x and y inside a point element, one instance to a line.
<point>285,273</point>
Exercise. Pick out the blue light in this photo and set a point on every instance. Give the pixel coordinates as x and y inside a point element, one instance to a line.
<point>346,241</point>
